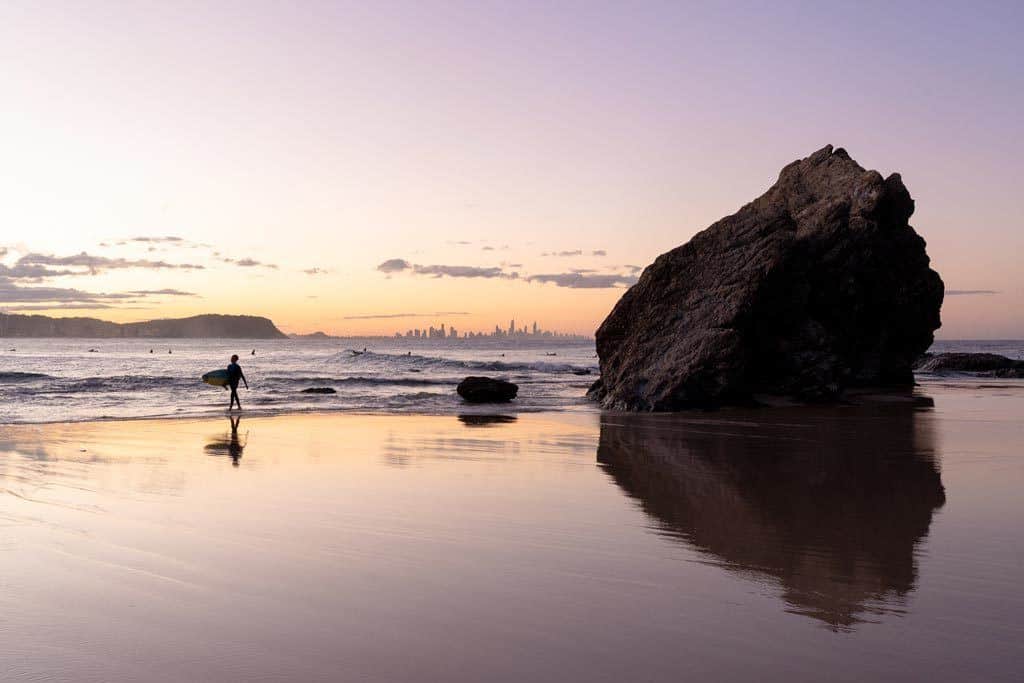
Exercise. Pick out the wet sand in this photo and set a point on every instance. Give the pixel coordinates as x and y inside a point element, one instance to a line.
<point>848,543</point>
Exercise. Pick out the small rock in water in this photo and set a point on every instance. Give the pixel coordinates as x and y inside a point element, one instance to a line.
<point>989,364</point>
<point>319,390</point>
<point>487,390</point>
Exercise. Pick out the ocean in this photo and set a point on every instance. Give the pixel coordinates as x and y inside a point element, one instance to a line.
<point>71,380</point>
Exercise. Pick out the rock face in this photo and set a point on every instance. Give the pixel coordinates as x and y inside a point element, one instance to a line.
<point>987,364</point>
<point>817,285</point>
<point>487,390</point>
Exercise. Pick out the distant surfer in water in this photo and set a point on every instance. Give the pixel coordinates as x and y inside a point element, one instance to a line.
<point>235,374</point>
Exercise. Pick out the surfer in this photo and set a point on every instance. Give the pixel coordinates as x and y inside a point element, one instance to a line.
<point>235,374</point>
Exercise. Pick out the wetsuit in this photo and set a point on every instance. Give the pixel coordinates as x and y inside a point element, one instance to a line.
<point>234,377</point>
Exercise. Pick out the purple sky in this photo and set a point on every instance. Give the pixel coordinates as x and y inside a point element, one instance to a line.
<point>332,137</point>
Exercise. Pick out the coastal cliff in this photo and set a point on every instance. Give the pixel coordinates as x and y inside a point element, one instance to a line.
<point>197,326</point>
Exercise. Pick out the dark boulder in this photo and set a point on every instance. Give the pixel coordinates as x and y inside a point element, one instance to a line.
<point>319,390</point>
<point>818,285</point>
<point>487,390</point>
<point>987,364</point>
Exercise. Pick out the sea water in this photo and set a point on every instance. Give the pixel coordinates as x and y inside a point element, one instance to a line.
<point>59,380</point>
<point>69,380</point>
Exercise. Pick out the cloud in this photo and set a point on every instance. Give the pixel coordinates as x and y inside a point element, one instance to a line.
<point>464,271</point>
<point>250,263</point>
<point>31,272</point>
<point>574,252</point>
<point>13,293</point>
<point>161,292</point>
<point>574,280</point>
<point>95,264</point>
<point>969,292</point>
<point>633,269</point>
<point>315,271</point>
<point>599,252</point>
<point>69,297</point>
<point>170,239</point>
<point>63,306</point>
<point>383,316</point>
<point>397,265</point>
<point>487,248</point>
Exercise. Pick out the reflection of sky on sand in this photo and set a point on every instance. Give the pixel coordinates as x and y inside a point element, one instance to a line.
<point>548,547</point>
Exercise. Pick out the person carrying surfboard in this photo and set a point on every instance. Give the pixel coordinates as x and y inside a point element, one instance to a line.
<point>235,374</point>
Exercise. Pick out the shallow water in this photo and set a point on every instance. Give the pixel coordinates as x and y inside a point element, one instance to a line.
<point>65,380</point>
<point>848,543</point>
<point>69,380</point>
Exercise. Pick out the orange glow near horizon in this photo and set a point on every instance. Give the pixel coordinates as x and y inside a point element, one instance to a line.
<point>289,155</point>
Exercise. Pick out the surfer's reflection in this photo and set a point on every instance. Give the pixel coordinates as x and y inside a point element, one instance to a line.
<point>230,445</point>
<point>830,505</point>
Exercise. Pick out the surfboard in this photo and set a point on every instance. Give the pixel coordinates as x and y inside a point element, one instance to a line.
<point>217,378</point>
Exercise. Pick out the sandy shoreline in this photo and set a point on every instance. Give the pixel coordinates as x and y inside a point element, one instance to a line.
<point>921,393</point>
<point>541,546</point>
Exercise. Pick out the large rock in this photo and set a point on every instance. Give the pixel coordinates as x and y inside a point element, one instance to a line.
<point>487,390</point>
<point>817,285</point>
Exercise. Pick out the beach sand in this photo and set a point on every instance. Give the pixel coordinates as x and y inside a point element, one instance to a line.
<point>779,544</point>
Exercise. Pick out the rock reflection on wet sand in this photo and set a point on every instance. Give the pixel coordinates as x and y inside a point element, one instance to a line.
<point>831,505</point>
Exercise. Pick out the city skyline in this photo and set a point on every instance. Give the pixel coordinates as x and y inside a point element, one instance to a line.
<point>533,331</point>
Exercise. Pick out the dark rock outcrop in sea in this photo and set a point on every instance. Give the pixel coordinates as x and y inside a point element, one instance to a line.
<point>985,364</point>
<point>487,390</point>
<point>319,390</point>
<point>818,285</point>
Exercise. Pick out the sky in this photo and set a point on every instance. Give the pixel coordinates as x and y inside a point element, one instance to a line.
<point>366,168</point>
